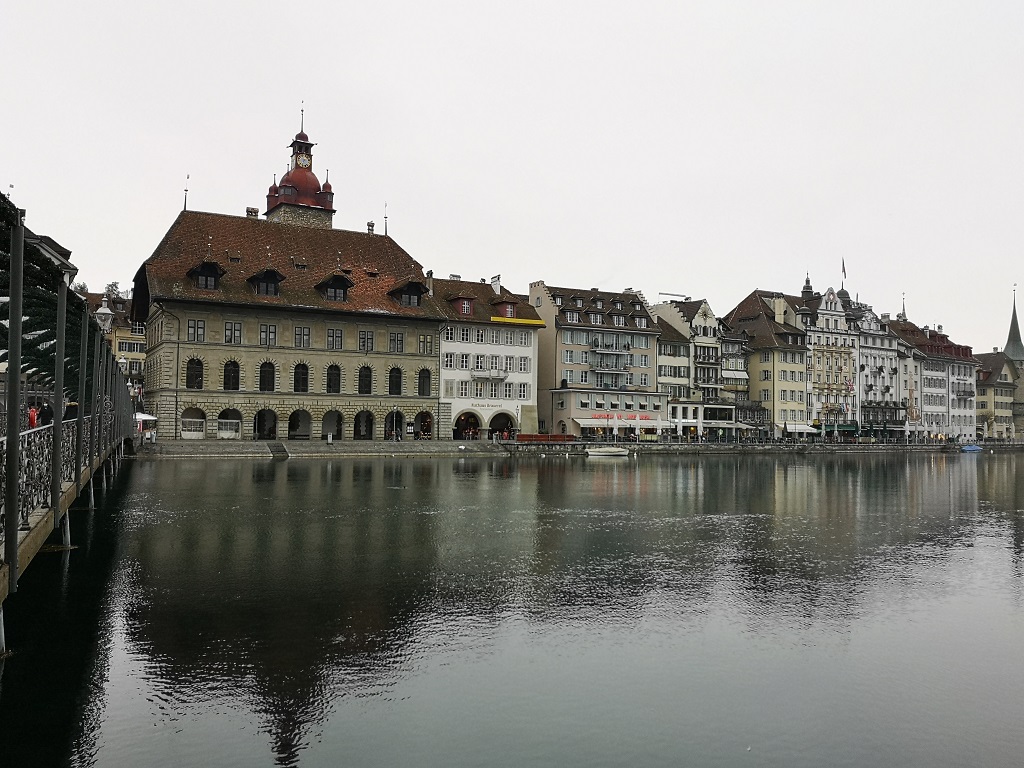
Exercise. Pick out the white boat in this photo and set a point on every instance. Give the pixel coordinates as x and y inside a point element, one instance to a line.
<point>607,450</point>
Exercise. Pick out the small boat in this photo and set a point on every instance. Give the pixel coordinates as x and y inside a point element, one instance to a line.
<point>971,448</point>
<point>607,450</point>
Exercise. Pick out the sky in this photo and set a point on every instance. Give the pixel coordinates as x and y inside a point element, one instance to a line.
<point>698,149</point>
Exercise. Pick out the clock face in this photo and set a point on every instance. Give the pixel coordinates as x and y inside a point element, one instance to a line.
<point>303,161</point>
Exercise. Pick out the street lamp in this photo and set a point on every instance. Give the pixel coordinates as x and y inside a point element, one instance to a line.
<point>123,364</point>
<point>104,317</point>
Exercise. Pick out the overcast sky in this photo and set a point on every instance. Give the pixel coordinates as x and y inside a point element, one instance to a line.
<point>703,149</point>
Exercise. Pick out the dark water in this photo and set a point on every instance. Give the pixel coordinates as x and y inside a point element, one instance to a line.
<point>718,611</point>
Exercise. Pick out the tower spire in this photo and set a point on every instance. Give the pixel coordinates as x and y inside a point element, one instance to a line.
<point>1014,348</point>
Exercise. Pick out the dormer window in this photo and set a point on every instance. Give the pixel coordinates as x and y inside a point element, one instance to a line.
<point>617,304</point>
<point>410,299</point>
<point>558,301</point>
<point>207,276</point>
<point>335,288</point>
<point>267,283</point>
<point>599,303</point>
<point>641,322</point>
<point>465,307</point>
<point>510,310</point>
<point>577,302</point>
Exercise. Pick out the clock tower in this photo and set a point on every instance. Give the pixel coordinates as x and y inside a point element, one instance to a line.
<point>299,198</point>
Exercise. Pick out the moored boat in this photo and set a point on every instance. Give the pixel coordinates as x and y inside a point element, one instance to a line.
<point>607,451</point>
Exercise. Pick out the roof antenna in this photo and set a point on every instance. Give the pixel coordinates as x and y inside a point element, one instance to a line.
<point>185,206</point>
<point>385,218</point>
<point>302,116</point>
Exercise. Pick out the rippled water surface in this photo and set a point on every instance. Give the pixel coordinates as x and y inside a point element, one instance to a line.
<point>715,611</point>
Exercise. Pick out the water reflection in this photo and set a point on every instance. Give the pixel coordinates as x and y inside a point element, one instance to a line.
<point>299,592</point>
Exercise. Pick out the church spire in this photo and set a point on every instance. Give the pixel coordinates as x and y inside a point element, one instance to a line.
<point>1014,349</point>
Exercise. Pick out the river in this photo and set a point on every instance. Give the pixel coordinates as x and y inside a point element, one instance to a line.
<point>712,611</point>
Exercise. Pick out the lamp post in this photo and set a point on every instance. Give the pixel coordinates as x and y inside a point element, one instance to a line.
<point>394,421</point>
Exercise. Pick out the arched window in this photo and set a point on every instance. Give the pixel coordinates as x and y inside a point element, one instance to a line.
<point>424,383</point>
<point>365,380</point>
<point>231,376</point>
<point>300,378</point>
<point>266,377</point>
<point>194,373</point>
<point>333,380</point>
<point>395,381</point>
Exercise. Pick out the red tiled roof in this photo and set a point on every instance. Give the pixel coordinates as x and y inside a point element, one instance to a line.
<point>483,299</point>
<point>245,247</point>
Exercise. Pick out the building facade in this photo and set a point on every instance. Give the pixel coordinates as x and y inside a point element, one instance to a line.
<point>489,343</point>
<point>597,364</point>
<point>287,327</point>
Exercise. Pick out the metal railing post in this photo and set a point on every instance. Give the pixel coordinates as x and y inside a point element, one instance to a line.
<point>57,423</point>
<point>83,360</point>
<point>12,488</point>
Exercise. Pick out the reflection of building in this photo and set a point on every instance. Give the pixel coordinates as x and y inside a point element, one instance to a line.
<point>127,338</point>
<point>287,327</point>
<point>597,363</point>
<point>488,359</point>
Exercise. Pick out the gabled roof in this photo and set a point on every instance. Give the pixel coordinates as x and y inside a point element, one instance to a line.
<point>484,299</point>
<point>589,299</point>
<point>991,365</point>
<point>305,256</point>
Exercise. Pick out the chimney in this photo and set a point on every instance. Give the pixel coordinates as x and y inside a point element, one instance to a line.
<point>252,213</point>
<point>938,328</point>
<point>369,227</point>
<point>496,283</point>
<point>884,317</point>
<point>454,277</point>
<point>995,349</point>
<point>430,282</point>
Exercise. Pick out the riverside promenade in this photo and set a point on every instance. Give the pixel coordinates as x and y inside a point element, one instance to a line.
<point>319,449</point>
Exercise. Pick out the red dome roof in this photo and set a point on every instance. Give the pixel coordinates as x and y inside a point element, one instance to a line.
<point>301,136</point>
<point>305,183</point>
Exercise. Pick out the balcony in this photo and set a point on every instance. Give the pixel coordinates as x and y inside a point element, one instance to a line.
<point>604,366</point>
<point>492,374</point>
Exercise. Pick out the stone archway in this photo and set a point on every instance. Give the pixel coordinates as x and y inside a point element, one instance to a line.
<point>423,426</point>
<point>362,426</point>
<point>466,427</point>
<point>193,424</point>
<point>502,425</point>
<point>229,424</point>
<point>300,425</point>
<point>394,425</point>
<point>331,425</point>
<point>265,425</point>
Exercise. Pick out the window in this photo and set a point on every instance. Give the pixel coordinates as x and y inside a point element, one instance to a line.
<point>495,392</point>
<point>481,335</point>
<point>131,346</point>
<point>584,377</point>
<point>464,334</point>
<point>464,361</point>
<point>463,389</point>
<point>572,317</point>
<point>302,336</point>
<point>336,291</point>
<point>568,375</point>
<point>478,389</point>
<point>449,360</point>
<point>509,392</point>
<point>366,341</point>
<point>365,380</point>
<point>449,333</point>
<point>644,380</point>
<point>395,381</point>
<point>645,361</point>
<point>194,373</point>
<point>268,335</point>
<point>465,307</point>
<point>232,333</point>
<point>231,376</point>
<point>619,320</point>
<point>479,362</point>
<point>766,355</point>
<point>334,338</point>
<point>641,322</point>
<point>333,380</point>
<point>510,310</point>
<point>300,378</point>
<point>197,330</point>
<point>495,362</point>
<point>510,363</point>
<point>138,329</point>
<point>524,391</point>
<point>423,388</point>
<point>396,342</point>
<point>524,365</point>
<point>266,377</point>
<point>410,299</point>
<point>510,338</point>
<point>568,356</point>
<point>426,344</point>
<point>267,284</point>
